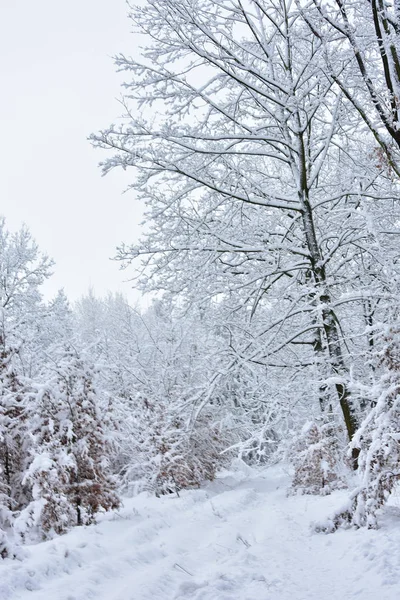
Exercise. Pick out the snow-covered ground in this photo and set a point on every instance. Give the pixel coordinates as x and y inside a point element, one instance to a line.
<point>239,538</point>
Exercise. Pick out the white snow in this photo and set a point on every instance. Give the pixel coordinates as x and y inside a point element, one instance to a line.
<point>239,538</point>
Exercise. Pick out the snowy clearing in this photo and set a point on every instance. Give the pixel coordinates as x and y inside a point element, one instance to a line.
<point>239,538</point>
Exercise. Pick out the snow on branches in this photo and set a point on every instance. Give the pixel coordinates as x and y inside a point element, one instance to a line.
<point>70,474</point>
<point>378,441</point>
<point>315,457</point>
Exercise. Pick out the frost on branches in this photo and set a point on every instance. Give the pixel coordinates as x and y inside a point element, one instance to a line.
<point>315,460</point>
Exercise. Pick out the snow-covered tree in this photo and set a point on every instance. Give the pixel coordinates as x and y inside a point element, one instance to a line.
<point>255,183</point>
<point>362,58</point>
<point>14,428</point>
<point>69,473</point>
<point>23,269</point>
<point>166,363</point>
<point>5,515</point>
<point>378,440</point>
<point>167,454</point>
<point>57,325</point>
<point>316,455</point>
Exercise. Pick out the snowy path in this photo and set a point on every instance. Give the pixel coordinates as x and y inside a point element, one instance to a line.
<point>241,538</point>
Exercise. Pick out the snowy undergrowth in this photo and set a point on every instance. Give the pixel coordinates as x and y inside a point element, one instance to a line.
<point>239,538</point>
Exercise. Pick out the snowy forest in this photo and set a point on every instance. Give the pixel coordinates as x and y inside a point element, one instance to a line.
<point>263,138</point>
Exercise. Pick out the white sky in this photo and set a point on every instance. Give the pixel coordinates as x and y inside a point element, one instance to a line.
<point>58,85</point>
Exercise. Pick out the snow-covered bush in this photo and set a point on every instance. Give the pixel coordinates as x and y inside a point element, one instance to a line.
<point>314,455</point>
<point>378,441</point>
<point>167,455</point>
<point>51,511</point>
<point>5,520</point>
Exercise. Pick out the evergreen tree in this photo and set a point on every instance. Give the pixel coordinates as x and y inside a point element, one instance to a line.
<point>378,442</point>
<point>14,426</point>
<point>69,473</point>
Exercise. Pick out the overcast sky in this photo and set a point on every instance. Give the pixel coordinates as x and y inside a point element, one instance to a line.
<point>58,85</point>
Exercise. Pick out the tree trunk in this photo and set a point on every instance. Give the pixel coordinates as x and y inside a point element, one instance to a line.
<point>329,321</point>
